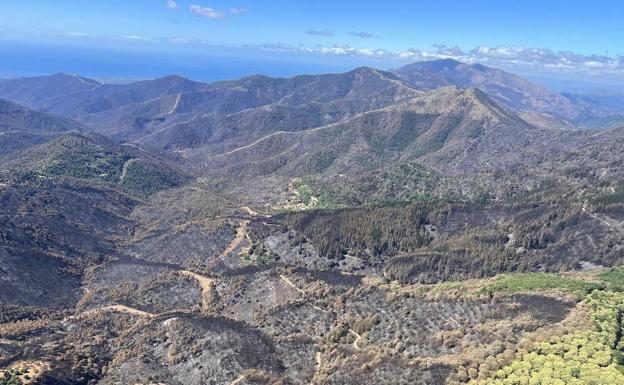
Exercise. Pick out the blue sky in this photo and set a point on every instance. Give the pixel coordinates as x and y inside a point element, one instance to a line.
<point>559,39</point>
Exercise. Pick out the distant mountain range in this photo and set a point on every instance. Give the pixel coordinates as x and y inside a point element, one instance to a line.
<point>130,111</point>
<point>448,114</point>
<point>507,89</point>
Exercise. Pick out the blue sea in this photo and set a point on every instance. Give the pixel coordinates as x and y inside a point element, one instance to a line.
<point>210,64</point>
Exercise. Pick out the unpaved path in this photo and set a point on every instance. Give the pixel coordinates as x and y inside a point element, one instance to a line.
<point>302,132</point>
<point>611,227</point>
<point>358,337</point>
<point>289,282</point>
<point>241,233</point>
<point>175,105</point>
<point>239,379</point>
<point>172,341</point>
<point>166,128</point>
<point>354,258</point>
<point>301,291</point>
<point>206,284</point>
<point>121,309</point>
<point>251,211</point>
<point>124,170</point>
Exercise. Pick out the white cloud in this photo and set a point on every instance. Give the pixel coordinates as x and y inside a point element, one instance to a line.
<point>139,38</point>
<point>184,40</point>
<point>237,10</point>
<point>209,13</point>
<point>171,4</point>
<point>214,14</point>
<point>364,35</point>
<point>324,33</point>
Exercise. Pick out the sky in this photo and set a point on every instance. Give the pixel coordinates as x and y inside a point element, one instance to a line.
<point>551,40</point>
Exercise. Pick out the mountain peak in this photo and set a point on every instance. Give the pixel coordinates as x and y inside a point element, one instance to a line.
<point>62,76</point>
<point>507,89</point>
<point>173,79</point>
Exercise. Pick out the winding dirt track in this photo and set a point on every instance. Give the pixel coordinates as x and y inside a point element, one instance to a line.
<point>358,337</point>
<point>601,220</point>
<point>288,281</point>
<point>239,379</point>
<point>252,212</point>
<point>301,291</point>
<point>206,285</point>
<point>307,131</point>
<point>241,233</point>
<point>121,309</point>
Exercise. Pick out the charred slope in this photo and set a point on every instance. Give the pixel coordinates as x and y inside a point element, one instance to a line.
<point>201,112</point>
<point>508,89</point>
<point>21,127</point>
<point>225,113</point>
<point>95,158</point>
<point>451,130</point>
<point>50,230</point>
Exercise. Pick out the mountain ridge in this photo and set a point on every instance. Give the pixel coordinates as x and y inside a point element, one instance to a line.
<point>506,88</point>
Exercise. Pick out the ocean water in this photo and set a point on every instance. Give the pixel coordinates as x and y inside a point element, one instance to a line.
<point>209,64</point>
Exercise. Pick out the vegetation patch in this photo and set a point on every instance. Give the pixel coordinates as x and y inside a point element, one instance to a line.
<point>583,358</point>
<point>527,282</point>
<point>613,278</point>
<point>98,166</point>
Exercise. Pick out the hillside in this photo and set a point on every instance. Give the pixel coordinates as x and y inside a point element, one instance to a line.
<point>353,228</point>
<point>51,230</point>
<point>95,158</point>
<point>38,92</point>
<point>147,108</point>
<point>507,89</point>
<point>21,127</point>
<point>452,130</point>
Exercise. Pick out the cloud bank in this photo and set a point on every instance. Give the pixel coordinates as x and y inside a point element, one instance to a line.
<point>537,59</point>
<point>212,13</point>
<point>512,58</point>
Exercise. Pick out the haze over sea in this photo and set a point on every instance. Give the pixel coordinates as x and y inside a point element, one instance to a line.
<point>210,65</point>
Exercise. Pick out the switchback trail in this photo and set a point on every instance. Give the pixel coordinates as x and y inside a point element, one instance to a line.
<point>166,128</point>
<point>601,220</point>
